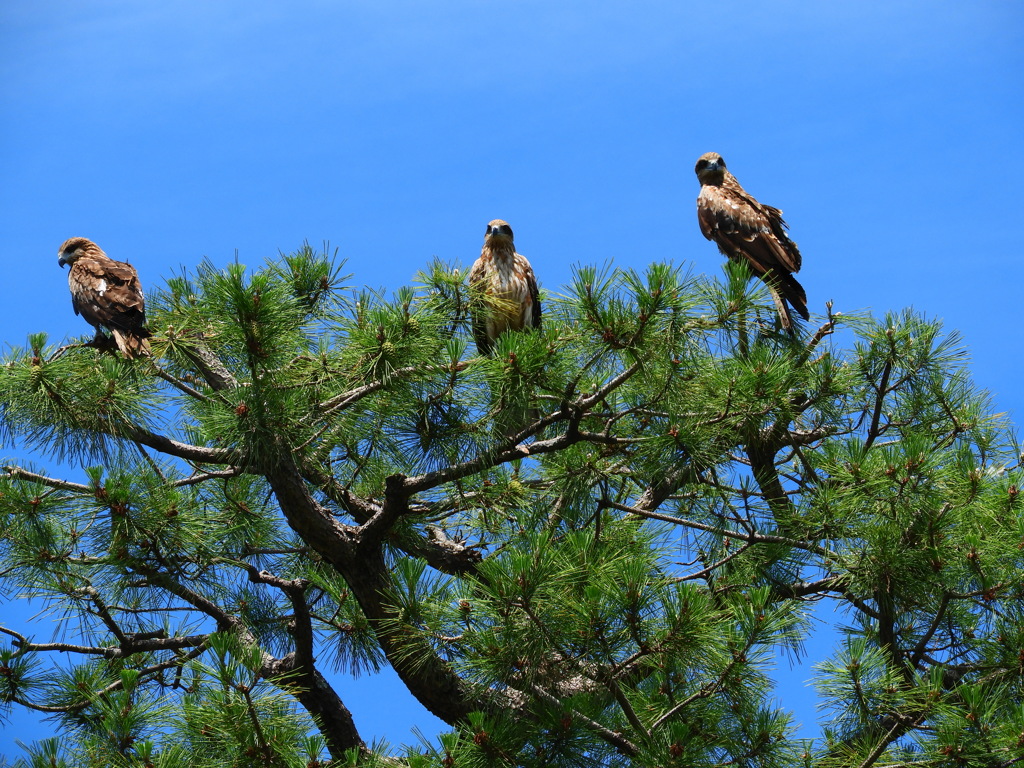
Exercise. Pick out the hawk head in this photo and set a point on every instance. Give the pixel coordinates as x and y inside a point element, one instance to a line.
<point>710,168</point>
<point>498,230</point>
<point>76,247</point>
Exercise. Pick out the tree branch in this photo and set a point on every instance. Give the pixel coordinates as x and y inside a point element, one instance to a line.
<point>361,563</point>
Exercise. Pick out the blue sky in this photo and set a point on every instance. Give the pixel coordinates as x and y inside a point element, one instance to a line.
<point>889,133</point>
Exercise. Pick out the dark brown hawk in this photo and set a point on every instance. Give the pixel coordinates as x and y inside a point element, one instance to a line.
<point>107,294</point>
<point>746,230</point>
<point>506,289</point>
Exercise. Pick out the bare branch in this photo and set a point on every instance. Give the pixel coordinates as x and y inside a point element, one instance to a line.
<point>14,471</point>
<point>195,453</point>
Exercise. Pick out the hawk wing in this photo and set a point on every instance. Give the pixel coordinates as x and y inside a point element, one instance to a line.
<point>743,227</point>
<point>107,292</point>
<point>531,308</point>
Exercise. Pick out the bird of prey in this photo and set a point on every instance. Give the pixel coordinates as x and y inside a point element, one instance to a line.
<point>746,230</point>
<point>506,289</point>
<point>107,294</point>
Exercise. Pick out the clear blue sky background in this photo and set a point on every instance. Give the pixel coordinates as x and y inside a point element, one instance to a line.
<point>889,132</point>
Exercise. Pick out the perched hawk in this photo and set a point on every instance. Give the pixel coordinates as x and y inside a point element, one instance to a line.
<point>746,230</point>
<point>509,288</point>
<point>107,294</point>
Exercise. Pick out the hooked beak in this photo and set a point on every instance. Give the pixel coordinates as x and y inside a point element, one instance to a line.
<point>61,262</point>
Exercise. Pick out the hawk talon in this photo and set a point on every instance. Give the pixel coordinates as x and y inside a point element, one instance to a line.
<point>102,342</point>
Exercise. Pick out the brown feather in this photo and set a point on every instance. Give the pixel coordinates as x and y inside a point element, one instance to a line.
<point>107,294</point>
<point>505,287</point>
<point>745,230</point>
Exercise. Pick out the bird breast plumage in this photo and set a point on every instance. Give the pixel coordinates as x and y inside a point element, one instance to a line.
<point>510,293</point>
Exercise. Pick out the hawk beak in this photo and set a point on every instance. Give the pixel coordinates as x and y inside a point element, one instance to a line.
<point>61,262</point>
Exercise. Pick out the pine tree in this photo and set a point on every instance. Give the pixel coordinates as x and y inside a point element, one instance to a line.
<point>305,480</point>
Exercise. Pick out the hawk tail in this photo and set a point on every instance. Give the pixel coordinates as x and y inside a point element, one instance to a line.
<point>786,290</point>
<point>795,295</point>
<point>133,344</point>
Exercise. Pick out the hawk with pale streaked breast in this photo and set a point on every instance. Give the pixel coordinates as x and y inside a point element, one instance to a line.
<point>506,287</point>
